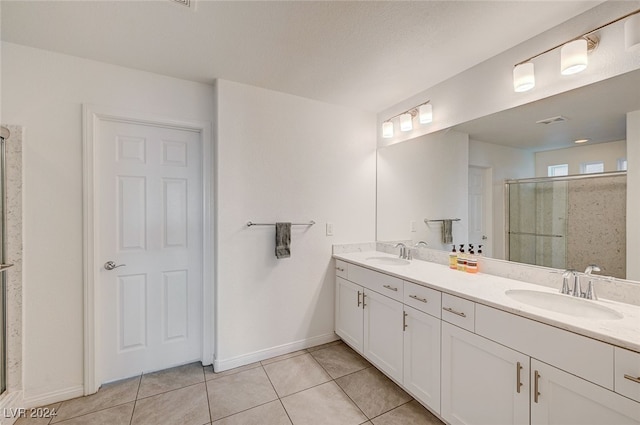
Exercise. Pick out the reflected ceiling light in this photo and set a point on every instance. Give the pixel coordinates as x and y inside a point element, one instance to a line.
<point>424,111</point>
<point>387,129</point>
<point>632,33</point>
<point>523,77</point>
<point>406,122</point>
<point>581,141</point>
<point>573,53</point>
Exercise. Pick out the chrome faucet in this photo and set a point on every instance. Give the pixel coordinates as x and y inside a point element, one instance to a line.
<point>419,244</point>
<point>403,251</point>
<point>565,281</point>
<point>591,292</point>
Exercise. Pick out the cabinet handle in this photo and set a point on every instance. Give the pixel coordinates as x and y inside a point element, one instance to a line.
<point>404,321</point>
<point>389,287</point>
<point>415,297</point>
<point>518,381</point>
<point>536,389</point>
<point>450,310</point>
<point>632,378</point>
<point>359,293</point>
<point>363,303</point>
<point>340,269</point>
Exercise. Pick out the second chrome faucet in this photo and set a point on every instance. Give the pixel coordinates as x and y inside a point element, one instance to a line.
<point>576,288</point>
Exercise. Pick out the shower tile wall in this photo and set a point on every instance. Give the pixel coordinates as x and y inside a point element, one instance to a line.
<point>14,256</point>
<point>596,231</point>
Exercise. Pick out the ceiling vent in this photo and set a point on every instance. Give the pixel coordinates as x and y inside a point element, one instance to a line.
<point>552,120</point>
<point>183,2</point>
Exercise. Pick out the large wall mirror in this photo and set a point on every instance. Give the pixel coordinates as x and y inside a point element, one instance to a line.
<point>517,182</point>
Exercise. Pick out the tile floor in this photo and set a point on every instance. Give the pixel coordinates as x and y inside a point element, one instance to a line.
<point>325,385</point>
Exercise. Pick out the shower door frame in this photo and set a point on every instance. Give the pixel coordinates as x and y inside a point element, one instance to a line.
<point>92,115</point>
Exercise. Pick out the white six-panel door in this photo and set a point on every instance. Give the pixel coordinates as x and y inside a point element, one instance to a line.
<point>150,215</point>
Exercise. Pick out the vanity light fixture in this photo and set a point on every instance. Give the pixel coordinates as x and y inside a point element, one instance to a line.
<point>406,121</point>
<point>573,53</point>
<point>424,112</point>
<point>632,33</point>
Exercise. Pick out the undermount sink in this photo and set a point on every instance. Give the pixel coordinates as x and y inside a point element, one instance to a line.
<point>564,304</point>
<point>388,261</point>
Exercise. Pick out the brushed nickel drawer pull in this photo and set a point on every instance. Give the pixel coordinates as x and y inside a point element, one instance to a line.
<point>404,321</point>
<point>450,310</point>
<point>632,378</point>
<point>389,287</point>
<point>518,381</point>
<point>536,389</point>
<point>340,269</point>
<point>417,298</point>
<point>359,293</point>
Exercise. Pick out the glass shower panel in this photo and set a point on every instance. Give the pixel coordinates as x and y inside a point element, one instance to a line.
<point>538,223</point>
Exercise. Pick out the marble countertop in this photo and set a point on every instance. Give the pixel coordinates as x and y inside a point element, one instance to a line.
<point>490,290</point>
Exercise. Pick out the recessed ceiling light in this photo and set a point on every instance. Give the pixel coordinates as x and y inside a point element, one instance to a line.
<point>581,141</point>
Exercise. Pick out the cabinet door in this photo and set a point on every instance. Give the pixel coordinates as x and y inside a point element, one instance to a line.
<point>565,399</point>
<point>383,332</point>
<point>349,298</point>
<point>482,382</point>
<point>422,357</point>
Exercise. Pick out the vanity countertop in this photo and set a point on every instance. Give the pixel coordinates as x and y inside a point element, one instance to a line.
<point>490,290</point>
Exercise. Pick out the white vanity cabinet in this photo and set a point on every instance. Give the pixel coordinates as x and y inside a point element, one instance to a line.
<point>383,333</point>
<point>422,357</point>
<point>562,398</point>
<point>482,382</point>
<point>349,318</point>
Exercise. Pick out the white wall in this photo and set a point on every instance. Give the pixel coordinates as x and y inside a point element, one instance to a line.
<point>505,163</point>
<point>633,195</point>
<point>608,152</point>
<point>285,158</point>
<point>44,92</point>
<point>488,87</point>
<point>426,177</point>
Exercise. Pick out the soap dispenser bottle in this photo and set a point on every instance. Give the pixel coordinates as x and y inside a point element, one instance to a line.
<point>472,262</point>
<point>462,259</point>
<point>453,258</point>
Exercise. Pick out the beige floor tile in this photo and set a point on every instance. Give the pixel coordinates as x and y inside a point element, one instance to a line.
<point>238,392</point>
<point>373,392</point>
<point>119,415</point>
<point>186,406</point>
<point>283,357</point>
<point>325,404</point>
<point>210,374</point>
<point>31,415</point>
<point>412,413</point>
<point>170,379</point>
<point>340,360</point>
<point>296,374</point>
<point>271,413</point>
<point>327,345</point>
<point>109,395</point>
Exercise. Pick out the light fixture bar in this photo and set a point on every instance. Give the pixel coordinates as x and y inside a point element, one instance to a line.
<point>579,37</point>
<point>413,111</point>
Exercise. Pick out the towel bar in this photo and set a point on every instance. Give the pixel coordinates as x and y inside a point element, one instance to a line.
<point>426,220</point>
<point>251,223</point>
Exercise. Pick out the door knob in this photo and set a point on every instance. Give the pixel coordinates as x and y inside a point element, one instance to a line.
<point>484,237</point>
<point>110,265</point>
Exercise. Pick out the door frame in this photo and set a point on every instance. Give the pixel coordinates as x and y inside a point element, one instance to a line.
<point>91,116</point>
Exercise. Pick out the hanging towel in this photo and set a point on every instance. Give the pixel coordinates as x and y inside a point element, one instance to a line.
<point>283,240</point>
<point>447,228</point>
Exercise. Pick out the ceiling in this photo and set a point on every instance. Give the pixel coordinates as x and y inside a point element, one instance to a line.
<point>364,54</point>
<point>596,112</point>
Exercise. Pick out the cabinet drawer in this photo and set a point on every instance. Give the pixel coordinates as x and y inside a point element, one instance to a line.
<point>341,269</point>
<point>458,311</point>
<point>627,373</point>
<point>424,299</point>
<point>384,284</point>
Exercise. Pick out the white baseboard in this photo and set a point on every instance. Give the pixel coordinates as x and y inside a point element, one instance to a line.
<point>10,403</point>
<point>220,365</point>
<point>53,397</point>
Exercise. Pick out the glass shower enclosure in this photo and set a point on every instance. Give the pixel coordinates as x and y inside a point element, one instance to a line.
<point>4,136</point>
<point>568,222</point>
